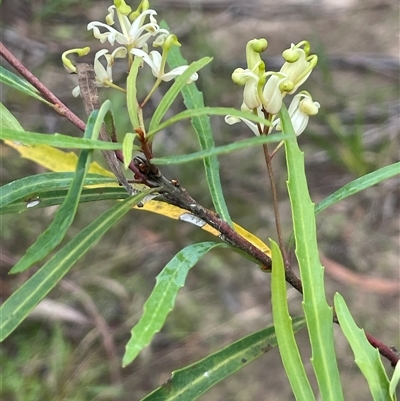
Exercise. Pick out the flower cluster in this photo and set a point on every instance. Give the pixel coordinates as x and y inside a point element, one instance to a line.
<point>136,29</point>
<point>264,90</point>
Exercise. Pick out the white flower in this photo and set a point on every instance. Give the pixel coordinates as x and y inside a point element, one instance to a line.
<point>300,110</point>
<point>104,75</point>
<point>134,34</point>
<point>249,79</point>
<point>155,62</point>
<point>298,66</point>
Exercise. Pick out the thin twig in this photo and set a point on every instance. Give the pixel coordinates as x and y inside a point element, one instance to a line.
<point>390,354</point>
<point>268,162</point>
<point>290,275</point>
<point>55,103</point>
<point>47,94</point>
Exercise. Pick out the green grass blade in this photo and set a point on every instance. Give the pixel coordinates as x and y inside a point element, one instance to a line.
<point>57,197</point>
<point>202,112</point>
<point>318,313</point>
<point>162,299</point>
<point>174,90</point>
<point>21,85</point>
<point>14,310</point>
<point>57,140</point>
<point>192,381</point>
<point>32,185</point>
<point>64,216</point>
<point>288,349</point>
<point>218,150</point>
<point>366,356</point>
<point>358,185</point>
<point>193,99</point>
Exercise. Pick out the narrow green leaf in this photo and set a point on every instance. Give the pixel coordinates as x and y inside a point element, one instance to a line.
<point>192,381</point>
<point>127,148</point>
<point>317,311</point>
<point>7,120</point>
<point>162,299</point>
<point>57,197</point>
<point>394,382</point>
<point>14,310</point>
<point>32,185</point>
<point>64,216</point>
<point>218,150</point>
<point>288,349</point>
<point>57,140</point>
<point>366,356</point>
<point>104,114</point>
<point>202,111</point>
<point>358,185</point>
<point>174,90</point>
<point>131,93</point>
<point>193,99</point>
<point>16,82</point>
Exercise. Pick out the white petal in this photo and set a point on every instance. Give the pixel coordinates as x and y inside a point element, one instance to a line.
<point>150,61</point>
<point>76,91</point>
<point>112,35</point>
<point>233,120</point>
<point>179,71</point>
<point>272,94</point>
<point>102,74</point>
<point>119,52</point>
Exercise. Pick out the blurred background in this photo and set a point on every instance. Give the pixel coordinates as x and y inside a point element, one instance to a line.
<point>71,346</point>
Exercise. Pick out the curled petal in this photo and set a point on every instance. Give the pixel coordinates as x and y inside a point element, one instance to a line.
<point>76,91</point>
<point>300,110</point>
<point>111,35</point>
<point>298,66</point>
<point>110,16</point>
<point>133,34</point>
<point>272,94</point>
<point>250,94</point>
<point>119,52</point>
<point>233,120</point>
<point>103,75</point>
<point>179,71</point>
<point>253,49</point>
<point>250,81</point>
<point>154,61</point>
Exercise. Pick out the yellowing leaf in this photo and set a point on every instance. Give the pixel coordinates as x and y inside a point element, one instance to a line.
<point>57,160</point>
<point>54,159</point>
<point>176,213</point>
<point>253,239</point>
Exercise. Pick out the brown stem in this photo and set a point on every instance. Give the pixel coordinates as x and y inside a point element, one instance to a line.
<point>178,196</point>
<point>55,103</point>
<point>47,94</point>
<point>268,162</point>
<point>391,354</point>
